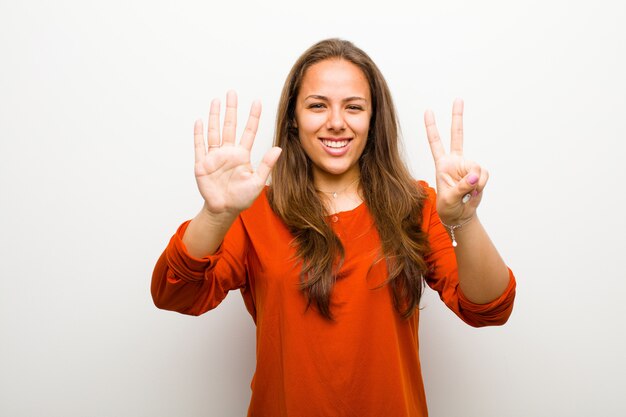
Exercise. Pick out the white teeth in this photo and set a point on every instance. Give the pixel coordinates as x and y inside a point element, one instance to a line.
<point>335,143</point>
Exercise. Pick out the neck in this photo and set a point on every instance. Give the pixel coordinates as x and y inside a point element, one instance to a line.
<point>348,189</point>
<point>329,183</point>
<point>346,196</point>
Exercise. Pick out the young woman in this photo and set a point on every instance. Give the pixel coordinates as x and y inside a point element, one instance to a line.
<point>332,257</point>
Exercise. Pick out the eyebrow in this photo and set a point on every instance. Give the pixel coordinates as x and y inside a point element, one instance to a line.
<point>319,97</point>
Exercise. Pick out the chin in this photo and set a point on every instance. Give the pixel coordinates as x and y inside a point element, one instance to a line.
<point>336,170</point>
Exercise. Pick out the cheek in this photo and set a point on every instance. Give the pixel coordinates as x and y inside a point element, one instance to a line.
<point>309,125</point>
<point>361,126</point>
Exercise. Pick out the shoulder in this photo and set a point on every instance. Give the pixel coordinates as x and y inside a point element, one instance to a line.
<point>429,194</point>
<point>260,206</point>
<point>261,222</point>
<point>429,204</point>
<point>260,212</point>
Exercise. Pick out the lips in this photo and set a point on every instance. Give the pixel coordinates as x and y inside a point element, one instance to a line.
<point>336,146</point>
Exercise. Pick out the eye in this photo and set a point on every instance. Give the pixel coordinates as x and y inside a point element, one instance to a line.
<point>354,107</point>
<point>316,106</point>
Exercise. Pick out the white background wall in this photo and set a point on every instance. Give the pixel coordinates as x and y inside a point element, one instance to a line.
<point>97,103</point>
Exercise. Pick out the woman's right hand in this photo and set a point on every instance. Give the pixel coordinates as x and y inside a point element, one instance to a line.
<point>226,180</point>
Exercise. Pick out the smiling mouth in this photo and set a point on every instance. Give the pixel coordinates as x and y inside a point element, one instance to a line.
<point>335,143</point>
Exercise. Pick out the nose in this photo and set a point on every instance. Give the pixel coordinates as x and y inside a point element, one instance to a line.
<point>335,120</point>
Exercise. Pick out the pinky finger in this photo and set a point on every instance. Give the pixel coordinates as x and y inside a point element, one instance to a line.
<point>482,181</point>
<point>198,141</point>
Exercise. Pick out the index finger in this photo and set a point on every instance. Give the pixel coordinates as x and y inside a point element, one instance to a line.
<point>456,141</point>
<point>436,147</point>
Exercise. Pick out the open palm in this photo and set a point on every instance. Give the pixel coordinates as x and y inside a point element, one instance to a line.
<point>225,178</point>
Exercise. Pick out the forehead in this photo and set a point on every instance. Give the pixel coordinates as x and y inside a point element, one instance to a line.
<point>335,78</point>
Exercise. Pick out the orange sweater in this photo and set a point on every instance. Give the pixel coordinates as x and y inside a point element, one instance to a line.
<point>366,361</point>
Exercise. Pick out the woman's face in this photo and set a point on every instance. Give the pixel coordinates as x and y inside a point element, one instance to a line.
<point>333,111</point>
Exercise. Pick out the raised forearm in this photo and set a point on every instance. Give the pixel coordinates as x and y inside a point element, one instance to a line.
<point>483,275</point>
<point>206,232</point>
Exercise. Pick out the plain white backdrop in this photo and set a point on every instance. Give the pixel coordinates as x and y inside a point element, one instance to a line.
<point>97,104</point>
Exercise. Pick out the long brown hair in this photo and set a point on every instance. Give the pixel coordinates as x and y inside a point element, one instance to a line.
<point>393,198</point>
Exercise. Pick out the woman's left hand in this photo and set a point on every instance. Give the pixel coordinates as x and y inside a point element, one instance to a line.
<point>460,183</point>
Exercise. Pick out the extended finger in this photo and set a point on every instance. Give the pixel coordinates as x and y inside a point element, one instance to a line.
<point>267,163</point>
<point>456,142</point>
<point>436,147</point>
<point>198,141</point>
<point>230,119</point>
<point>247,139</point>
<point>213,133</point>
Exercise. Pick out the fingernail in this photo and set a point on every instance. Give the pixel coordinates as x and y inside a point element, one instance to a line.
<point>472,179</point>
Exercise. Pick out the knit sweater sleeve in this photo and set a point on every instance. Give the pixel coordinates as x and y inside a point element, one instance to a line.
<point>444,276</point>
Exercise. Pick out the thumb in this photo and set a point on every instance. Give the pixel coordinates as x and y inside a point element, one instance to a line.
<point>266,165</point>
